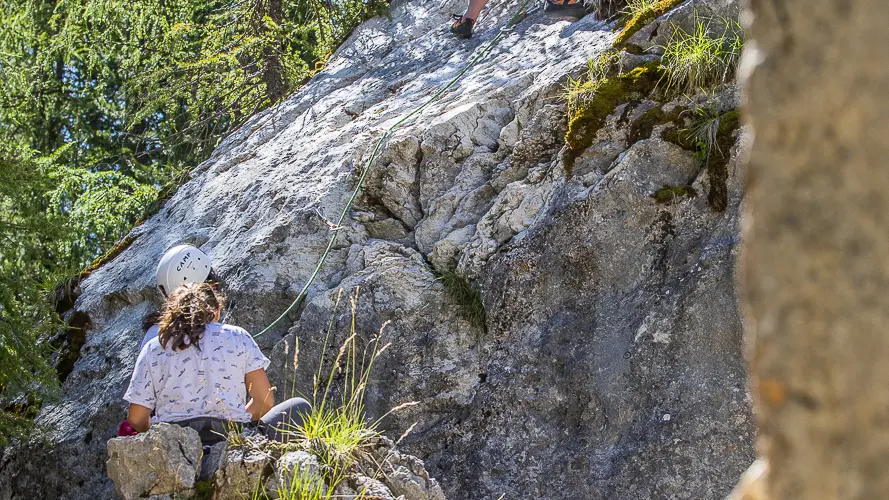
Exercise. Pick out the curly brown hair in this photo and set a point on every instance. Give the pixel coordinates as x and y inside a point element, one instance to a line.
<point>187,312</point>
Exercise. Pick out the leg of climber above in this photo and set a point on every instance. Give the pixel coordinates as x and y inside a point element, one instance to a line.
<point>280,421</point>
<point>463,24</point>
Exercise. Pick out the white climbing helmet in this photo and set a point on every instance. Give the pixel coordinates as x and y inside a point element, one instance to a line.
<point>181,264</point>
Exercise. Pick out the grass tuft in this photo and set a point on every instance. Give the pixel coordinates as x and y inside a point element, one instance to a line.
<point>713,133</point>
<point>704,127</point>
<point>337,430</point>
<point>305,485</point>
<point>337,427</point>
<point>605,8</point>
<point>637,7</point>
<point>700,59</point>
<point>579,92</point>
<point>467,296</point>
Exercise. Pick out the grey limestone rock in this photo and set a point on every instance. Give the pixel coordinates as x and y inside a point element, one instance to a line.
<point>290,469</point>
<point>605,311</point>
<point>164,461</point>
<point>403,474</point>
<point>210,462</point>
<point>242,470</point>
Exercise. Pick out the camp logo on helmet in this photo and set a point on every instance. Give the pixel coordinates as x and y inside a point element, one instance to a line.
<point>183,262</point>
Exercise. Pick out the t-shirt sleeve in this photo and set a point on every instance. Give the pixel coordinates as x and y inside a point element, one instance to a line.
<point>141,389</point>
<point>150,334</point>
<point>254,359</point>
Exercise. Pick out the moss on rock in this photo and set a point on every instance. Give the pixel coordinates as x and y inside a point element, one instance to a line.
<point>642,127</point>
<point>589,117</point>
<point>680,138</point>
<point>643,19</point>
<point>669,195</point>
<point>717,165</point>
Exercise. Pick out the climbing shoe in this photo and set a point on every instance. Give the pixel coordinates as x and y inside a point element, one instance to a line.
<point>574,8</point>
<point>462,27</point>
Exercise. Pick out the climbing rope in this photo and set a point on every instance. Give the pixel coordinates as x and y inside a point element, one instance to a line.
<point>520,14</point>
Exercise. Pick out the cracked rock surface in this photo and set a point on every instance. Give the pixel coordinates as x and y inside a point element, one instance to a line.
<point>609,363</point>
<point>164,461</point>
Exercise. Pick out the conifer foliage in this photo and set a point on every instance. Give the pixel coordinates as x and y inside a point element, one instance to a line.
<point>104,104</point>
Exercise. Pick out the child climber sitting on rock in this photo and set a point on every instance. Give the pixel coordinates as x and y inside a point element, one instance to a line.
<point>195,372</point>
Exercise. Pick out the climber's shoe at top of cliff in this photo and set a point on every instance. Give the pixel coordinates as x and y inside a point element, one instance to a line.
<point>573,8</point>
<point>462,27</point>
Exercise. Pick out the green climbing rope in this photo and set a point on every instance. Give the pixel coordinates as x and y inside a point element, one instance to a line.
<point>520,14</point>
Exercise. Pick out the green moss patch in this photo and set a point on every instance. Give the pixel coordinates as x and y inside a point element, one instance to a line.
<point>589,117</point>
<point>643,19</point>
<point>669,195</point>
<point>642,127</point>
<point>680,138</point>
<point>203,490</point>
<point>717,165</point>
<point>108,256</point>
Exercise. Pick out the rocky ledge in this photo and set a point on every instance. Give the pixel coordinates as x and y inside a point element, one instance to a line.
<point>167,462</point>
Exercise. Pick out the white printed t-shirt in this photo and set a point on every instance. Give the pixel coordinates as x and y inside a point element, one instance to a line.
<point>150,334</point>
<point>186,384</point>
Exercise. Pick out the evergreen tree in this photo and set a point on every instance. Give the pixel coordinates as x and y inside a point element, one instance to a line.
<point>104,105</point>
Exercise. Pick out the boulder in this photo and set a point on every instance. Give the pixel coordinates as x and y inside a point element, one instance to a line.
<point>403,474</point>
<point>159,465</point>
<point>601,310</point>
<point>166,460</point>
<point>243,469</point>
<point>210,461</point>
<point>291,469</point>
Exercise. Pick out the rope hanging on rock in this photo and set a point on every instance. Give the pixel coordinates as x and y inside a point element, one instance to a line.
<point>520,14</point>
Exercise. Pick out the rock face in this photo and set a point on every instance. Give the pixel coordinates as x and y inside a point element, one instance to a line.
<point>607,363</point>
<point>166,460</point>
<point>654,36</point>
<point>816,268</point>
<point>241,472</point>
<point>165,463</point>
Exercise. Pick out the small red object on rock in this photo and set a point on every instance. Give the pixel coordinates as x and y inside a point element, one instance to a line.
<point>126,429</point>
